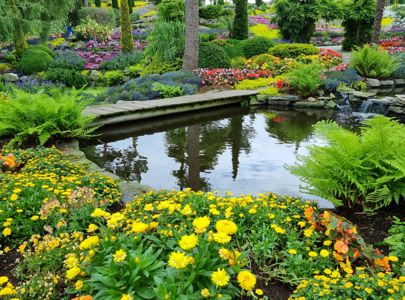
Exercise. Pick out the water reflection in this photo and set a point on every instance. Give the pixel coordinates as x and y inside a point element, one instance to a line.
<point>235,149</point>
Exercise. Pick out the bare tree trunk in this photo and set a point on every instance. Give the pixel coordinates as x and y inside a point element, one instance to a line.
<point>193,157</point>
<point>379,12</point>
<point>86,3</point>
<point>190,60</point>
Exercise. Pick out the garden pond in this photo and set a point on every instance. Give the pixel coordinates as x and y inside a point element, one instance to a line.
<point>243,150</point>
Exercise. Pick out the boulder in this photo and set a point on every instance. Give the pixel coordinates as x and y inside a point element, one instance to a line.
<point>361,95</point>
<point>331,104</point>
<point>284,100</point>
<point>387,82</point>
<point>10,77</point>
<point>373,83</point>
<point>399,82</point>
<point>397,109</point>
<point>308,104</point>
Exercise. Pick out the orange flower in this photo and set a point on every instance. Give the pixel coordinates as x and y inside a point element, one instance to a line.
<point>87,297</point>
<point>309,213</point>
<point>341,247</point>
<point>383,263</point>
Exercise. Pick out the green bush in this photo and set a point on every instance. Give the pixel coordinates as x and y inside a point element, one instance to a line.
<point>159,67</point>
<point>90,29</point>
<point>238,62</point>
<point>103,16</point>
<point>293,50</point>
<point>240,28</point>
<point>171,10</point>
<point>68,59</point>
<point>255,46</point>
<point>37,118</point>
<point>296,19</point>
<point>43,48</point>
<point>167,91</point>
<point>213,12</point>
<point>400,71</point>
<point>114,77</point>
<point>232,47</point>
<point>68,77</point>
<point>396,239</point>
<point>213,56</point>
<point>305,79</point>
<point>4,68</point>
<point>122,61</point>
<point>373,62</point>
<point>34,61</point>
<point>135,17</point>
<point>365,170</point>
<point>161,44</point>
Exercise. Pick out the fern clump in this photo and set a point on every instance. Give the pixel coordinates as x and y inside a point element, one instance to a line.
<point>37,118</point>
<point>365,170</point>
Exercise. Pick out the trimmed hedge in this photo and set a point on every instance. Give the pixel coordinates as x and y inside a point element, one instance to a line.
<point>293,50</point>
<point>34,61</point>
<point>213,56</point>
<point>255,46</point>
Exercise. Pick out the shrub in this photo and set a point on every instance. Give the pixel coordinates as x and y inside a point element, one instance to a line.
<point>69,77</point>
<point>400,71</point>
<point>114,77</point>
<point>90,29</point>
<point>396,239</point>
<point>296,19</point>
<point>40,117</point>
<point>34,61</point>
<point>270,91</point>
<point>293,50</point>
<point>68,59</point>
<point>122,61</point>
<point>238,62</point>
<point>159,67</point>
<point>213,56</point>
<point>373,62</point>
<point>264,59</point>
<point>252,84</point>
<point>43,48</point>
<point>213,11</point>
<point>305,79</point>
<point>363,170</point>
<point>333,79</point>
<point>232,47</point>
<point>240,21</point>
<point>161,44</point>
<point>102,16</point>
<point>167,91</point>
<point>135,17</point>
<point>256,46</point>
<point>171,11</point>
<point>264,31</point>
<point>4,68</point>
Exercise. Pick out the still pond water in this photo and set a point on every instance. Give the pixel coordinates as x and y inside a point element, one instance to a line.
<point>229,149</point>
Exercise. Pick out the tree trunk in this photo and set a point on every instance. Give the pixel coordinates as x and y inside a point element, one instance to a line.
<point>191,55</point>
<point>127,40</point>
<point>86,3</point>
<point>379,11</point>
<point>193,156</point>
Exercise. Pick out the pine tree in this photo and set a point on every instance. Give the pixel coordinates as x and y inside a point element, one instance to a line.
<point>115,4</point>
<point>241,26</point>
<point>127,42</point>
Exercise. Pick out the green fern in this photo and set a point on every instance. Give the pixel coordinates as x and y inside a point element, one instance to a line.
<point>364,170</point>
<point>37,118</point>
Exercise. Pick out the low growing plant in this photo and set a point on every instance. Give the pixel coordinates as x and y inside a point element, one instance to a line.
<point>256,46</point>
<point>305,79</point>
<point>34,61</point>
<point>396,239</point>
<point>365,170</point>
<point>121,61</point>
<point>372,62</point>
<point>293,50</point>
<point>38,118</point>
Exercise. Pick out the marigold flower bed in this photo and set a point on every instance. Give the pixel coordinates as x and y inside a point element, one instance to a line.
<point>172,245</point>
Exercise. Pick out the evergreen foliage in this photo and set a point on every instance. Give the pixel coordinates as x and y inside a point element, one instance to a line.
<point>305,78</point>
<point>171,11</point>
<point>296,19</point>
<point>213,56</point>
<point>358,22</point>
<point>241,23</point>
<point>365,170</point>
<point>33,61</point>
<point>127,41</point>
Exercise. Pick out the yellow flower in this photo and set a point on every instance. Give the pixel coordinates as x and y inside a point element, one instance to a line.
<point>308,232</point>
<point>224,253</point>
<point>292,251</point>
<point>13,197</point>
<point>393,258</point>
<point>201,224</point>
<point>139,227</point>
<point>324,253</point>
<point>73,272</point>
<point>259,292</point>
<point>226,226</point>
<point>126,297</point>
<point>78,285</point>
<point>98,213</point>
<point>119,255</point>
<point>246,280</point>
<point>221,237</point>
<point>3,279</point>
<point>368,290</point>
<point>312,254</point>
<point>220,278</point>
<point>188,242</point>
<point>348,285</point>
<point>178,260</point>
<point>89,243</point>
<point>34,218</point>
<point>205,293</point>
<point>6,231</point>
<point>92,228</point>
<point>187,210</point>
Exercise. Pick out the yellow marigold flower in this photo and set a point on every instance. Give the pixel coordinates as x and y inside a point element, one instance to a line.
<point>368,290</point>
<point>327,271</point>
<point>246,280</point>
<point>139,227</point>
<point>34,218</point>
<point>99,213</point>
<point>224,253</point>
<point>312,254</point>
<point>71,260</point>
<point>178,260</point>
<point>205,293</point>
<point>6,231</point>
<point>92,228</point>
<point>126,297</point>
<point>226,226</point>
<point>119,255</point>
<point>221,237</point>
<point>259,292</point>
<point>187,210</point>
<point>393,258</point>
<point>73,272</point>
<point>188,242</point>
<point>201,224</point>
<point>327,243</point>
<point>324,253</point>
<point>308,232</point>
<point>89,243</point>
<point>13,197</point>
<point>292,251</point>
<point>348,285</point>
<point>78,285</point>
<point>220,277</point>
<point>252,211</point>
<point>3,279</point>
<point>271,216</point>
